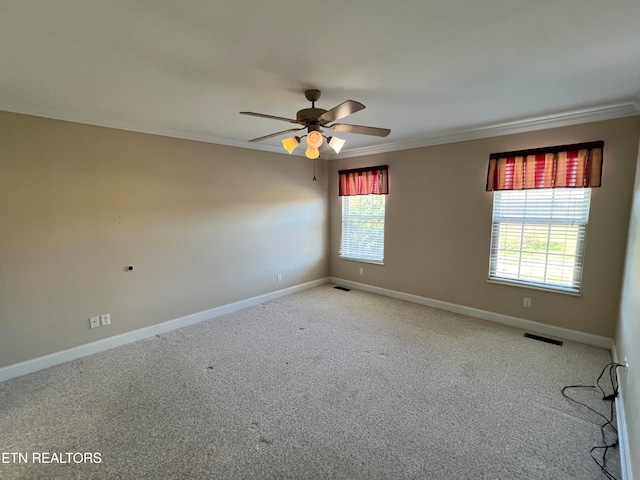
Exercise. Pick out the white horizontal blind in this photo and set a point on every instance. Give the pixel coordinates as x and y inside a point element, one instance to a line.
<point>363,227</point>
<point>538,237</point>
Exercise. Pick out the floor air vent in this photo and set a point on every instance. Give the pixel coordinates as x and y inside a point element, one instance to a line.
<point>543,339</point>
<point>344,289</point>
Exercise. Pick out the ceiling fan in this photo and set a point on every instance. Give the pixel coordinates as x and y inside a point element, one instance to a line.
<point>314,119</point>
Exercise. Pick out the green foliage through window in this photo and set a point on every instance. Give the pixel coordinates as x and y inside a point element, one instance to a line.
<point>363,227</point>
<point>538,237</point>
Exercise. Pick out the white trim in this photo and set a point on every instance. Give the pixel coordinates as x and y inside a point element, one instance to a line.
<point>536,327</point>
<point>360,260</point>
<point>514,283</point>
<point>605,112</point>
<point>623,438</point>
<point>40,363</point>
<point>621,422</point>
<point>74,117</point>
<point>614,352</point>
<point>609,112</point>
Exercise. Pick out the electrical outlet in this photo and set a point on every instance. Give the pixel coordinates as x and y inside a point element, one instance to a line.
<point>105,319</point>
<point>526,303</point>
<point>361,271</point>
<point>279,277</point>
<point>626,364</point>
<point>94,322</point>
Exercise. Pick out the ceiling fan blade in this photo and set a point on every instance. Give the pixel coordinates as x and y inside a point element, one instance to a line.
<point>272,117</point>
<point>343,127</point>
<point>277,134</point>
<point>341,111</point>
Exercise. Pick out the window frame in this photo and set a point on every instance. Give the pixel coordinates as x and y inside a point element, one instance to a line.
<point>381,219</point>
<point>544,222</point>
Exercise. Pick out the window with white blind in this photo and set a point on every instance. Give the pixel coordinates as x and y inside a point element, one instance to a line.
<point>538,237</point>
<point>363,228</point>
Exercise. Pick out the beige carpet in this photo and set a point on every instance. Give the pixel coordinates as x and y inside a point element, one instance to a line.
<point>322,384</point>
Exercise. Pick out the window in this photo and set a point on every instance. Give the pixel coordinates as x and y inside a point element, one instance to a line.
<point>540,212</point>
<point>538,237</point>
<point>363,193</point>
<point>363,228</point>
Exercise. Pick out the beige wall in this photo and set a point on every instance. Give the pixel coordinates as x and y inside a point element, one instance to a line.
<point>438,221</point>
<point>628,333</point>
<point>205,225</point>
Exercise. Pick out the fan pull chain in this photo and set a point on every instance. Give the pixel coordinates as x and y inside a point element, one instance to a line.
<point>314,170</point>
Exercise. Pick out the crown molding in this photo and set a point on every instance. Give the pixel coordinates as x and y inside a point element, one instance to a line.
<point>134,127</point>
<point>610,112</point>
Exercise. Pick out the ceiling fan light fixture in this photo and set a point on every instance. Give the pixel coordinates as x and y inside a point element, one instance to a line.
<point>336,143</point>
<point>314,139</point>
<point>313,120</point>
<point>312,153</point>
<point>291,143</point>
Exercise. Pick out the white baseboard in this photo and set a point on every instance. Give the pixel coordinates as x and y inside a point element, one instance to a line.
<point>33,365</point>
<point>536,327</point>
<point>623,438</point>
<point>621,421</point>
<point>40,363</point>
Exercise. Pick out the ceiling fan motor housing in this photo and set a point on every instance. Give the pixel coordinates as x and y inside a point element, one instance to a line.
<point>310,116</point>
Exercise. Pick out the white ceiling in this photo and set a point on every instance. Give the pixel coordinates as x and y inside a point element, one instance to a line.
<point>430,70</point>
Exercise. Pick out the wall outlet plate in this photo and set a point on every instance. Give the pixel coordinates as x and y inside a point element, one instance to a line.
<point>526,303</point>
<point>94,322</point>
<point>105,319</point>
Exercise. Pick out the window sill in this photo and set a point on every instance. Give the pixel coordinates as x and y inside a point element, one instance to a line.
<point>534,287</point>
<point>360,260</point>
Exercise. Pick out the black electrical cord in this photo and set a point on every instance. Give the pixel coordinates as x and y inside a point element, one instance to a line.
<point>608,421</point>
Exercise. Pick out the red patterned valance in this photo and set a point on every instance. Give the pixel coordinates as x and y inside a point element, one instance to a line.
<point>573,166</point>
<point>364,181</point>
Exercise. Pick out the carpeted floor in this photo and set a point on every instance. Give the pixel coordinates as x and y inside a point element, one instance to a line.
<point>322,384</point>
